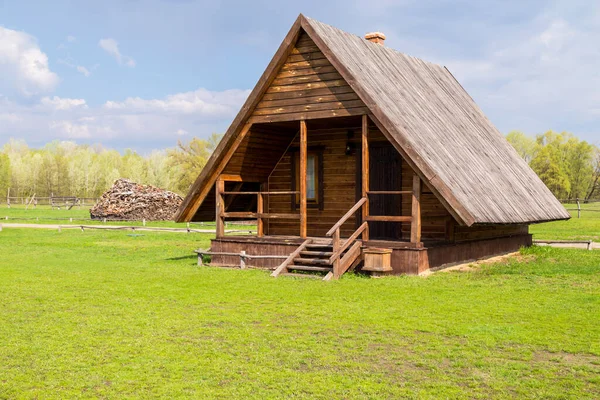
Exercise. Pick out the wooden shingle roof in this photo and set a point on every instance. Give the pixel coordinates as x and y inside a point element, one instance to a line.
<point>431,120</point>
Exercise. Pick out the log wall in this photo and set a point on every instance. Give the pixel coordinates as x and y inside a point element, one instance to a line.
<point>339,185</point>
<point>307,87</point>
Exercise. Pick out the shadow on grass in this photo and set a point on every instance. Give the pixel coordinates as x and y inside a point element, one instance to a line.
<point>190,257</point>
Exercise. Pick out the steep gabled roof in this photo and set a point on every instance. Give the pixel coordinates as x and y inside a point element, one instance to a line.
<point>428,117</point>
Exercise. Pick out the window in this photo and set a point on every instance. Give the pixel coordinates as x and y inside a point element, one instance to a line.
<point>314,177</point>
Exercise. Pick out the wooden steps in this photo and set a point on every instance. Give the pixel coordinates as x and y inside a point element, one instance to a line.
<point>320,261</point>
<point>294,275</point>
<point>313,258</point>
<point>296,267</point>
<point>317,253</point>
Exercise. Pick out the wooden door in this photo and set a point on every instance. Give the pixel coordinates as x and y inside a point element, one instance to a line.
<point>385,173</point>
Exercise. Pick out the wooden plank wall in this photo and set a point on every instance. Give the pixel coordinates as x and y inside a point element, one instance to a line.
<point>307,87</point>
<point>339,180</point>
<point>478,232</point>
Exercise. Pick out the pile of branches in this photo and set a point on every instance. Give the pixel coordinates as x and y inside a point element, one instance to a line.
<point>127,200</point>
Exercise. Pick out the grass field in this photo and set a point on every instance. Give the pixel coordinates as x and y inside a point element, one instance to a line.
<point>108,315</point>
<point>585,228</point>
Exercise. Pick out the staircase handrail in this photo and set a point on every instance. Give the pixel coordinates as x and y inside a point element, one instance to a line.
<point>350,213</point>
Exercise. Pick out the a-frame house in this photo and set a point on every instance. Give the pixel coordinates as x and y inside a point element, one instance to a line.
<point>347,147</point>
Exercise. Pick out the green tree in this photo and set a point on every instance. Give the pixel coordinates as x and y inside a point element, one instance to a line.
<point>580,158</point>
<point>5,173</point>
<point>187,160</point>
<point>594,188</point>
<point>549,163</point>
<point>523,144</point>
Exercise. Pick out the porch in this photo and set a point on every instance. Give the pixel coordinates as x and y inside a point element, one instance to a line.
<point>314,192</point>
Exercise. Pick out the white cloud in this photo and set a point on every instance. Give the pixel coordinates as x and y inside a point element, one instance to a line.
<point>142,123</point>
<point>23,66</point>
<point>71,39</point>
<point>111,46</point>
<point>57,103</point>
<point>70,130</point>
<point>83,70</point>
<point>200,102</point>
<point>69,62</point>
<point>9,118</point>
<point>544,77</point>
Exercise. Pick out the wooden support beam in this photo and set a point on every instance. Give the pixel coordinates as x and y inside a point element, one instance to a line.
<point>240,214</point>
<point>231,178</point>
<point>259,212</point>
<point>415,225</point>
<point>219,207</point>
<point>336,248</point>
<point>280,216</point>
<point>303,155</point>
<point>365,172</point>
<point>389,218</point>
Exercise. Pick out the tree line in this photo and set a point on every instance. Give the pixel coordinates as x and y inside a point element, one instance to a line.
<point>570,167</point>
<point>64,168</point>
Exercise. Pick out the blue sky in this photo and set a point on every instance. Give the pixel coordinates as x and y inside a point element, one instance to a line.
<point>144,74</point>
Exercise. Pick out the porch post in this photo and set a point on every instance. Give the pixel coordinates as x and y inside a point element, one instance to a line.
<point>303,178</point>
<point>219,204</point>
<point>415,224</point>
<point>365,172</point>
<point>260,209</point>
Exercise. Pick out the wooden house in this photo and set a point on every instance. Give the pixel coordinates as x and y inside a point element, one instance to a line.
<point>346,147</point>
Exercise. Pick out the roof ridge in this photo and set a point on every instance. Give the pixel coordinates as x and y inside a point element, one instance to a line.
<point>385,48</point>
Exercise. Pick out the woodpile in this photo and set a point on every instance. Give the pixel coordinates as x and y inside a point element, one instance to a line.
<point>127,200</point>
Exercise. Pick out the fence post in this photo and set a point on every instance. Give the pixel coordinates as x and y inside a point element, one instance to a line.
<point>578,209</point>
<point>243,259</point>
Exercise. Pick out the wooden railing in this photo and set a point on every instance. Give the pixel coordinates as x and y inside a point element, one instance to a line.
<point>259,215</point>
<point>341,264</point>
<point>414,219</point>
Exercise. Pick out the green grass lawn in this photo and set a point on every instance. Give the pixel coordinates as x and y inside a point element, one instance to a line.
<point>100,314</point>
<point>585,228</point>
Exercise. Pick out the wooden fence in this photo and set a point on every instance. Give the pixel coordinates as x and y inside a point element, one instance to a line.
<point>53,201</point>
<point>578,208</point>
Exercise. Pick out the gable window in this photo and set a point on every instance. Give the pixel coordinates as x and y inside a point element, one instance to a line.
<point>314,178</point>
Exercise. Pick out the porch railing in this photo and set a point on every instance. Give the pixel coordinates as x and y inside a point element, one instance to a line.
<point>341,264</point>
<point>260,215</point>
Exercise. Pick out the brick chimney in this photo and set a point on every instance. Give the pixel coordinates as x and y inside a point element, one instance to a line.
<point>375,37</point>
